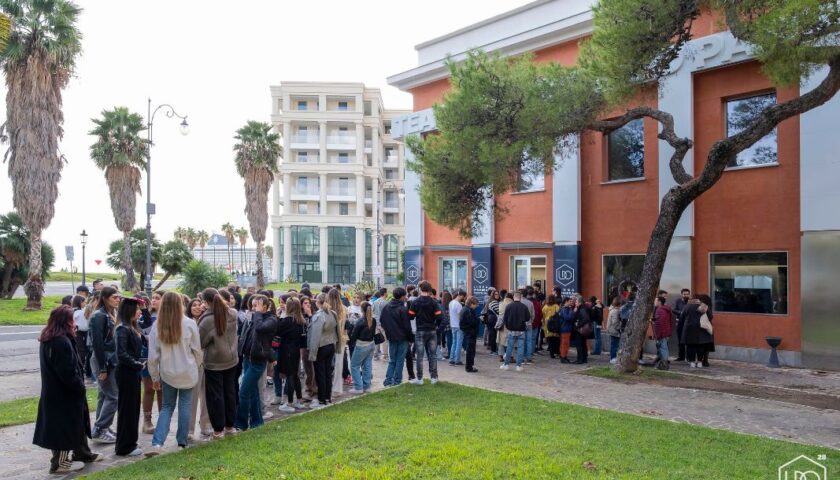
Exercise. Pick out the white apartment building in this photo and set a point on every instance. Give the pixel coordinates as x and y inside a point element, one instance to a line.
<point>338,211</point>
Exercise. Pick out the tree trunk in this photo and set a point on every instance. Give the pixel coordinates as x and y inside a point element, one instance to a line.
<point>130,280</point>
<point>34,286</point>
<point>230,257</point>
<point>260,277</point>
<point>5,291</point>
<point>162,281</point>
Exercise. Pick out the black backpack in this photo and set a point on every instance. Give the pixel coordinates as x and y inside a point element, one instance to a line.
<point>554,323</point>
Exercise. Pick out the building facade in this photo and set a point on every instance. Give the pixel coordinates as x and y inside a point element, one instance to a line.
<point>338,213</point>
<point>764,242</point>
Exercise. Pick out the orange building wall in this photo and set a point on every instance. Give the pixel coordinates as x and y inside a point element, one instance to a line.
<point>747,210</point>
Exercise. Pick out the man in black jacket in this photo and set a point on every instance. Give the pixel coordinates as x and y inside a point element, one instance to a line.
<point>427,315</point>
<point>516,319</point>
<point>397,326</point>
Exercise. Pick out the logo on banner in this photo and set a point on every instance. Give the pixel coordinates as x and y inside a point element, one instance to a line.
<point>564,275</point>
<point>412,274</point>
<point>803,468</point>
<point>480,273</point>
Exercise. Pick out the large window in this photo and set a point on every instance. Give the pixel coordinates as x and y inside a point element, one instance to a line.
<point>525,271</point>
<point>626,152</point>
<point>279,253</point>
<point>301,105</point>
<point>621,275</point>
<point>750,282</point>
<point>531,179</point>
<point>392,258</point>
<point>368,249</point>
<point>453,273</point>
<point>342,106</point>
<point>343,157</point>
<point>342,255</point>
<point>343,208</point>
<point>739,114</point>
<point>306,254</point>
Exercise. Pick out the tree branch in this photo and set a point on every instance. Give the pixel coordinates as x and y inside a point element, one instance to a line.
<point>680,145</point>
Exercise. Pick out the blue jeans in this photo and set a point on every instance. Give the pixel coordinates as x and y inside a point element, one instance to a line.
<point>662,349</point>
<point>447,339</point>
<point>249,411</point>
<point>614,342</point>
<point>596,350</point>
<point>519,342</point>
<point>457,343</point>
<point>396,361</point>
<point>529,343</point>
<point>361,366</point>
<point>184,400</point>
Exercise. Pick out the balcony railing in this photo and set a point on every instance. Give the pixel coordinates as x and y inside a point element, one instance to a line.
<point>341,139</point>
<point>306,138</point>
<point>306,190</point>
<point>341,192</point>
<point>392,204</point>
<point>343,161</point>
<point>307,159</point>
<point>368,143</point>
<point>391,159</point>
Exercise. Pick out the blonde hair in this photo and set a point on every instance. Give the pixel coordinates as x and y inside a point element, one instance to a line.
<point>169,318</point>
<point>335,300</point>
<point>322,302</point>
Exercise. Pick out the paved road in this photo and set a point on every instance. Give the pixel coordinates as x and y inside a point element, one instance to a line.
<point>66,288</point>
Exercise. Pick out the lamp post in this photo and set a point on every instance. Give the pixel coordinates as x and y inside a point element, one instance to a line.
<point>401,194</point>
<point>150,207</point>
<point>84,242</point>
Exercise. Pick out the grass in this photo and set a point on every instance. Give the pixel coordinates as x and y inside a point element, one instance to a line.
<point>455,432</point>
<point>282,286</point>
<point>11,311</point>
<point>609,372</point>
<point>89,277</point>
<point>25,410</point>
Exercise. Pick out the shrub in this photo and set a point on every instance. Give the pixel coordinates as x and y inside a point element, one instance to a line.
<point>199,275</point>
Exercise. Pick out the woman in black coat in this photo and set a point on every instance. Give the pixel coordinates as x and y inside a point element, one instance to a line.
<point>63,423</point>
<point>470,323</point>
<point>129,365</point>
<point>583,330</point>
<point>698,342</point>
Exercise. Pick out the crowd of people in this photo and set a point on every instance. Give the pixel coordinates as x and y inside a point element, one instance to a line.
<point>209,357</point>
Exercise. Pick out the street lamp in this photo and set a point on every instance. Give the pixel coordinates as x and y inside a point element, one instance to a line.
<point>401,194</point>
<point>150,207</point>
<point>84,242</point>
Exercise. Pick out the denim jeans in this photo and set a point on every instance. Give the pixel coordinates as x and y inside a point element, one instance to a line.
<point>361,366</point>
<point>396,360</point>
<point>184,400</point>
<point>662,349</point>
<point>515,339</point>
<point>106,403</point>
<point>457,343</point>
<point>447,341</point>
<point>614,342</point>
<point>425,343</point>
<point>249,411</point>
<point>529,343</point>
<point>596,349</point>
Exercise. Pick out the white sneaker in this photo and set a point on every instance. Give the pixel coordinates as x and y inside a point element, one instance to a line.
<point>267,415</point>
<point>692,365</point>
<point>105,436</point>
<point>285,408</point>
<point>154,450</point>
<point>357,392</point>
<point>298,405</point>
<point>613,361</point>
<point>67,467</point>
<point>519,369</point>
<point>699,364</point>
<point>504,366</point>
<point>135,453</point>
<point>315,404</point>
<point>434,381</point>
<point>416,381</point>
<point>277,400</point>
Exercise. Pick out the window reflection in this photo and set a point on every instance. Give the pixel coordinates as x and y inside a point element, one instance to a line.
<point>626,151</point>
<point>750,282</point>
<point>739,114</point>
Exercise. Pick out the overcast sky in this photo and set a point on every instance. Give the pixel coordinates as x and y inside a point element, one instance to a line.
<point>216,65</point>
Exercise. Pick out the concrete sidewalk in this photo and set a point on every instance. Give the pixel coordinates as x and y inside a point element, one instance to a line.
<point>551,380</point>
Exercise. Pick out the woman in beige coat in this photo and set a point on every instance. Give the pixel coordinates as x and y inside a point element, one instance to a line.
<point>501,340</point>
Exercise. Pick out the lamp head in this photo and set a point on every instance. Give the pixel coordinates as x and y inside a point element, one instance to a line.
<point>185,127</point>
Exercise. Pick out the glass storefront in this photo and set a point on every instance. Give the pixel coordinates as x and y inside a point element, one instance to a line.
<point>750,282</point>
<point>392,258</point>
<point>306,254</point>
<point>453,273</point>
<point>341,254</point>
<point>621,275</point>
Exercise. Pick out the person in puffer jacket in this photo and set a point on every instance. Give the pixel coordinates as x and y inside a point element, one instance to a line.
<point>256,350</point>
<point>663,318</point>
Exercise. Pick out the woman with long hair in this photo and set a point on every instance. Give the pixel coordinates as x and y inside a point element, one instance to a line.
<point>553,338</point>
<point>130,363</point>
<point>217,327</point>
<point>149,393</point>
<point>444,331</point>
<point>255,345</point>
<point>104,362</point>
<point>63,422</point>
<point>194,310</point>
<point>174,357</point>
<point>342,369</point>
<point>290,330</point>
<point>361,361</point>
<point>308,367</point>
<point>322,337</point>
<point>81,322</point>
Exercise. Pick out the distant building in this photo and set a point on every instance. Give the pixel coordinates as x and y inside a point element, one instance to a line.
<point>239,260</point>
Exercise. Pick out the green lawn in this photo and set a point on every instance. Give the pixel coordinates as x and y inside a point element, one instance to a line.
<point>610,372</point>
<point>11,311</point>
<point>282,287</point>
<point>108,277</point>
<point>453,432</point>
<point>25,410</point>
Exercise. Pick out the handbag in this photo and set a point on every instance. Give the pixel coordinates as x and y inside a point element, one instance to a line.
<point>585,330</point>
<point>378,338</point>
<point>706,324</point>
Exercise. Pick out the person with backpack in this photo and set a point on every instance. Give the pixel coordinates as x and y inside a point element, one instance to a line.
<point>663,318</point>
<point>255,347</point>
<point>104,363</point>
<point>583,330</point>
<point>568,317</point>
<point>551,326</point>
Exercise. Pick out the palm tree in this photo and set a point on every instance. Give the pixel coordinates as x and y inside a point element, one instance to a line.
<point>257,153</point>
<point>229,232</point>
<point>38,61</point>
<point>242,234</point>
<point>203,238</point>
<point>179,234</point>
<point>121,153</point>
<point>191,238</point>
